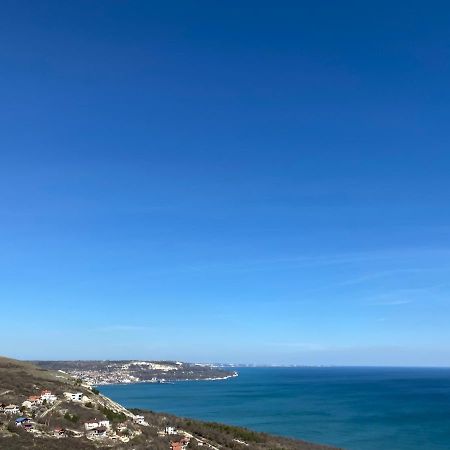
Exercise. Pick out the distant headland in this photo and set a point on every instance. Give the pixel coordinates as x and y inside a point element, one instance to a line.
<point>96,373</point>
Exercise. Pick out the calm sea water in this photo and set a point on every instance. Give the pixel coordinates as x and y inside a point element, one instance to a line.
<point>354,408</point>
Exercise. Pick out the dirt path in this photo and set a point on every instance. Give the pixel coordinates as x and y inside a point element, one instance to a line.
<point>198,439</point>
<point>54,405</point>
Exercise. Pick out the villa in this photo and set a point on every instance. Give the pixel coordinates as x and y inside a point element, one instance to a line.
<point>48,397</point>
<point>104,423</point>
<point>93,425</point>
<point>20,421</point>
<point>140,420</point>
<point>35,400</point>
<point>74,397</point>
<point>11,409</point>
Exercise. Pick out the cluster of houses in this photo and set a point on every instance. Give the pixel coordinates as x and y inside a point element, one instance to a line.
<point>45,397</point>
<point>94,429</point>
<point>31,402</point>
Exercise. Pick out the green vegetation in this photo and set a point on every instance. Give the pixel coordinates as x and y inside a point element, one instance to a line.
<point>71,417</point>
<point>112,415</point>
<point>240,433</point>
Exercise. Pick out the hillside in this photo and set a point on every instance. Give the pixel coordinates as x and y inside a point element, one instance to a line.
<point>50,410</point>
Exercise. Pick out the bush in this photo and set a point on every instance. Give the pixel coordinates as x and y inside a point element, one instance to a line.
<point>71,417</point>
<point>112,415</point>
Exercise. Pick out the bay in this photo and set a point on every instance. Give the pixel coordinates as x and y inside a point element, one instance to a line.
<point>357,408</point>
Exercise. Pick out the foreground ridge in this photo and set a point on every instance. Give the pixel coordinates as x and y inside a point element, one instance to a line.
<point>47,409</point>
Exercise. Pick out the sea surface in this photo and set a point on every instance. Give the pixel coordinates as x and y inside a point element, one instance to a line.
<point>352,408</point>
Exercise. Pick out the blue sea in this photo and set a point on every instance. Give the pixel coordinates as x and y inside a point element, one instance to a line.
<point>352,408</point>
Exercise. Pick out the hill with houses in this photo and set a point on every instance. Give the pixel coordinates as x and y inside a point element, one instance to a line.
<point>117,372</point>
<point>46,409</point>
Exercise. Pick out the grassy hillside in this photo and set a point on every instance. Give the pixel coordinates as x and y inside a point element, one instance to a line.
<point>24,379</point>
<point>125,430</point>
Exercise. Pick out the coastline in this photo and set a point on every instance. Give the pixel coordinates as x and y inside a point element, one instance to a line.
<point>39,409</point>
<point>162,381</point>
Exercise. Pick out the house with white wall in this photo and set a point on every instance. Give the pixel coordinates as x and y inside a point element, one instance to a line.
<point>48,397</point>
<point>104,423</point>
<point>91,425</point>
<point>11,409</point>
<point>74,396</point>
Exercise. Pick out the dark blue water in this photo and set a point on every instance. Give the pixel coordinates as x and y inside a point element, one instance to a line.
<point>354,408</point>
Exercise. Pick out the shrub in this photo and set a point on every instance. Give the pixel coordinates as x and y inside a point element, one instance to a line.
<point>112,415</point>
<point>71,417</point>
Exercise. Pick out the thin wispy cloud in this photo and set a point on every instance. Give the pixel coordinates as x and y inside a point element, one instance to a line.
<point>124,328</point>
<point>397,302</point>
<point>392,273</point>
<point>403,296</point>
<point>336,259</point>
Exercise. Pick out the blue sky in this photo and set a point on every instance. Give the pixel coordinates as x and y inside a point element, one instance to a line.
<point>216,181</point>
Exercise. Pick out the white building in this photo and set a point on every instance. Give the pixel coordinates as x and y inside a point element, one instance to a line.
<point>35,400</point>
<point>170,430</point>
<point>91,425</point>
<point>140,420</point>
<point>104,423</point>
<point>48,397</point>
<point>94,425</point>
<point>74,396</point>
<point>11,409</point>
